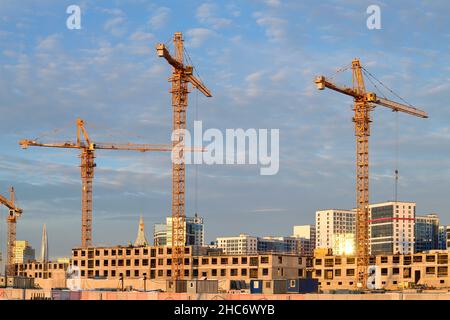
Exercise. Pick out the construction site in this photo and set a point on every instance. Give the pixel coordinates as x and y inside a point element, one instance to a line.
<point>379,259</point>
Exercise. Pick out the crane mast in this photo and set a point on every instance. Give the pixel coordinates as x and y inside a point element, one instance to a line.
<point>362,121</point>
<point>11,221</point>
<point>87,166</point>
<point>364,102</point>
<point>181,76</point>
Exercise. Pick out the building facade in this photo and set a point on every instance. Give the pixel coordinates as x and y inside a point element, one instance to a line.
<point>335,229</point>
<point>307,236</point>
<point>444,237</point>
<point>23,252</point>
<point>159,234</point>
<point>278,245</point>
<point>106,266</point>
<point>194,232</point>
<point>426,233</point>
<point>47,275</point>
<point>242,244</point>
<point>391,229</point>
<point>393,272</point>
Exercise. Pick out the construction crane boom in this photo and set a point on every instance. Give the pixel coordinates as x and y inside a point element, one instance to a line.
<point>99,146</point>
<point>11,221</point>
<point>364,102</point>
<point>181,75</point>
<point>87,166</point>
<point>370,97</point>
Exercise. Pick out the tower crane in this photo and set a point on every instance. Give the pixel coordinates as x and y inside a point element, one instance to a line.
<point>364,103</point>
<point>87,154</point>
<point>182,74</point>
<point>11,221</point>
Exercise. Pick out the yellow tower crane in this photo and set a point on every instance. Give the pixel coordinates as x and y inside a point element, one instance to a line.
<point>87,166</point>
<point>11,221</point>
<point>181,75</point>
<point>364,102</point>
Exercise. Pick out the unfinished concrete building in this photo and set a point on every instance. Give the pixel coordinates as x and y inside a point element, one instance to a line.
<point>107,267</point>
<point>394,272</point>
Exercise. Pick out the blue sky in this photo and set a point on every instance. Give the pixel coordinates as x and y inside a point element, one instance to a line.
<point>259,59</point>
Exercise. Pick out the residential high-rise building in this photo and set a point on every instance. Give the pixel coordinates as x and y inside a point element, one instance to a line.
<point>391,229</point>
<point>426,233</point>
<point>44,245</point>
<point>141,239</point>
<point>336,229</point>
<point>242,244</point>
<point>194,232</point>
<point>23,252</point>
<point>307,236</point>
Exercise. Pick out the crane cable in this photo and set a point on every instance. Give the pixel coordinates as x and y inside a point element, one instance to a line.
<point>396,158</point>
<point>196,164</point>
<point>190,62</point>
<point>386,87</point>
<point>340,70</point>
<point>396,143</point>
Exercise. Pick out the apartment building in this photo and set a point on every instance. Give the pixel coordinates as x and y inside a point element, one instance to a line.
<point>391,229</point>
<point>444,237</point>
<point>336,229</point>
<point>242,244</point>
<point>393,271</point>
<point>47,275</point>
<point>278,245</point>
<point>109,265</point>
<point>307,236</point>
<point>426,233</point>
<point>194,232</point>
<point>23,252</point>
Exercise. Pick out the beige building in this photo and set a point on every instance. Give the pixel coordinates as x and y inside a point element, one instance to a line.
<point>393,272</point>
<point>23,252</point>
<point>105,266</point>
<point>307,236</point>
<point>46,275</point>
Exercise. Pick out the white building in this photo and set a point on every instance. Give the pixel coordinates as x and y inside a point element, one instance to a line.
<point>243,244</point>
<point>307,236</point>
<point>392,227</point>
<point>335,229</point>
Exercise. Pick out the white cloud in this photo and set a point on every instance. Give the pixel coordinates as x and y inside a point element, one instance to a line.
<point>275,27</point>
<point>206,13</point>
<point>142,36</point>
<point>273,3</point>
<point>115,26</point>
<point>49,43</point>
<point>160,18</point>
<point>199,35</point>
<point>253,88</point>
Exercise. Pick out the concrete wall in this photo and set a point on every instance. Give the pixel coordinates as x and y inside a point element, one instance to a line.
<point>19,294</point>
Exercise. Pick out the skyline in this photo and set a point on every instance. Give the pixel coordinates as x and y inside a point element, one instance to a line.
<point>108,74</point>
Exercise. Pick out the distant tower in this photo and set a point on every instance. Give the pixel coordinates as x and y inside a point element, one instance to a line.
<point>141,239</point>
<point>44,245</point>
